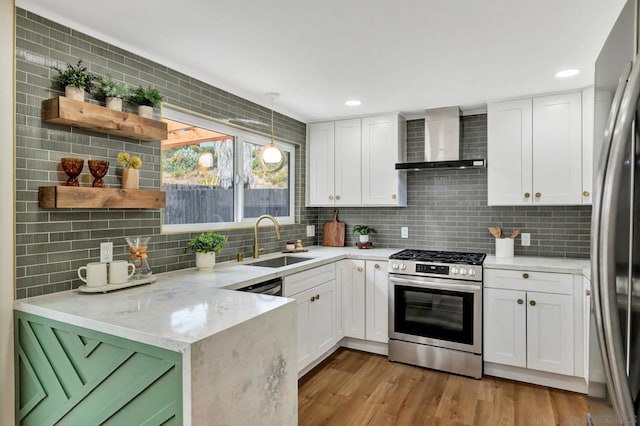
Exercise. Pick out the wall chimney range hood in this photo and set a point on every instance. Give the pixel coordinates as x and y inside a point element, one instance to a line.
<point>442,143</point>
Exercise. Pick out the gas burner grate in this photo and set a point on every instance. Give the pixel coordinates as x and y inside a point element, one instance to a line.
<point>453,257</point>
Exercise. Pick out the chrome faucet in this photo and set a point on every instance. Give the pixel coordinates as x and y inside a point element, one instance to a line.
<point>256,246</point>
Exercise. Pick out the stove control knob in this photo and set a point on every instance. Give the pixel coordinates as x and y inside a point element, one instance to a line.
<point>463,271</point>
<point>472,272</point>
<point>403,266</point>
<point>454,270</point>
<point>394,265</point>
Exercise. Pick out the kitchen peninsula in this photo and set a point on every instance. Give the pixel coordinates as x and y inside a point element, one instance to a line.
<point>197,348</point>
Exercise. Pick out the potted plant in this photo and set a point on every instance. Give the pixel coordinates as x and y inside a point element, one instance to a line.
<point>146,100</point>
<point>113,92</point>
<point>75,80</point>
<point>205,246</point>
<point>364,232</point>
<point>130,173</point>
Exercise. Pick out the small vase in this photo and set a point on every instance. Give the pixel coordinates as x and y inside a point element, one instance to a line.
<point>205,261</point>
<point>72,167</point>
<point>75,93</point>
<point>145,111</point>
<point>364,238</point>
<point>113,103</point>
<point>98,169</point>
<point>130,178</point>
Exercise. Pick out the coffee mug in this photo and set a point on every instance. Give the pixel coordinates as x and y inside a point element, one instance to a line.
<point>96,274</point>
<point>119,271</point>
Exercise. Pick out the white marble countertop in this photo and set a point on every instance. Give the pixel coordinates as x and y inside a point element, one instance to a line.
<point>541,264</point>
<point>183,306</point>
<point>186,306</point>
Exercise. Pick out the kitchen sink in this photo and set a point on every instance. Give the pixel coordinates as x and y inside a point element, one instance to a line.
<point>279,262</point>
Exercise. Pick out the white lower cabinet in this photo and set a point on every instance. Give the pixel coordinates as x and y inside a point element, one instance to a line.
<point>317,311</point>
<point>377,302</point>
<point>365,299</point>
<point>350,279</point>
<point>533,320</point>
<point>505,324</point>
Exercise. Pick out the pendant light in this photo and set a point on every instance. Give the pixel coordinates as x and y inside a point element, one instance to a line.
<point>270,156</point>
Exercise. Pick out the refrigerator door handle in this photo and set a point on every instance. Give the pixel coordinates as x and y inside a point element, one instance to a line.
<point>596,292</point>
<point>621,394</point>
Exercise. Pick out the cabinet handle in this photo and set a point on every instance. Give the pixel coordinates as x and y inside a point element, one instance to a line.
<point>587,292</point>
<point>525,275</point>
<point>520,301</point>
<point>527,195</point>
<point>330,197</point>
<point>313,298</point>
<point>317,297</point>
<point>538,194</point>
<point>376,266</point>
<point>532,302</point>
<point>359,268</point>
<point>585,193</point>
<point>393,196</point>
<point>337,197</point>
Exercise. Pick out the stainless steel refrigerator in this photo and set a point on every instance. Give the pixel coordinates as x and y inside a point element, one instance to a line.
<point>614,355</point>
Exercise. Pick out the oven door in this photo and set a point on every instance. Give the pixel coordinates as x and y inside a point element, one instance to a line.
<point>438,312</point>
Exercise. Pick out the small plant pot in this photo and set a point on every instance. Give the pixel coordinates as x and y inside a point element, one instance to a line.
<point>205,261</point>
<point>145,111</point>
<point>113,103</point>
<point>130,178</point>
<point>364,238</point>
<point>75,93</point>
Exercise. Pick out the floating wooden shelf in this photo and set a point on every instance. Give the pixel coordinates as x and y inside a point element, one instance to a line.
<point>62,110</point>
<point>67,197</point>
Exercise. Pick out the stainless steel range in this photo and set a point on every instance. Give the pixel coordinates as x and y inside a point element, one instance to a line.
<point>435,310</point>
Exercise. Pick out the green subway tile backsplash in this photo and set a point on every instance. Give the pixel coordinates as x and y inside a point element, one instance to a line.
<point>52,244</point>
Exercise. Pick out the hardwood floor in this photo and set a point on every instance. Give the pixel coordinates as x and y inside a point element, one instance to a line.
<point>357,388</point>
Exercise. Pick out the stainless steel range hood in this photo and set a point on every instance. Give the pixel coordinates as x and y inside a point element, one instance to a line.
<point>442,142</point>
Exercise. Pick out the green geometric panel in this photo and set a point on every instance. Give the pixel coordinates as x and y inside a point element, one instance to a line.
<point>67,375</point>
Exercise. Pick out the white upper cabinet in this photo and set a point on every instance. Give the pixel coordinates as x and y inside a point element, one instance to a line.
<point>535,151</point>
<point>348,170</point>
<point>352,162</point>
<point>557,149</point>
<point>320,149</point>
<point>588,157</point>
<point>383,147</point>
<point>509,174</point>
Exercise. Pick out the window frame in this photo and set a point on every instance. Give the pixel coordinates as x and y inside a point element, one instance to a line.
<point>240,136</point>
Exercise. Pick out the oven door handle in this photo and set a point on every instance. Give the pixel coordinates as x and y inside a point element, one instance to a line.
<point>436,286</point>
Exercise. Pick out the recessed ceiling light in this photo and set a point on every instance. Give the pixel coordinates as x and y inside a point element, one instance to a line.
<point>567,73</point>
<point>353,102</point>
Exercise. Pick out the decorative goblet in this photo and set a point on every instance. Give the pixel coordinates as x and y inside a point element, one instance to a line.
<point>72,167</point>
<point>98,169</point>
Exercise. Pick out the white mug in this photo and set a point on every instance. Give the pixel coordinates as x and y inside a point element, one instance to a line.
<point>119,271</point>
<point>96,274</point>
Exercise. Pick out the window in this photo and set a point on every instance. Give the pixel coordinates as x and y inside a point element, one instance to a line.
<point>212,177</point>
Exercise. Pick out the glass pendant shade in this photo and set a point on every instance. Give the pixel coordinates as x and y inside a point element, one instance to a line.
<point>271,154</point>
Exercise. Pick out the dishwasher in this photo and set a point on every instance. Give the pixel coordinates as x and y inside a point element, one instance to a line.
<point>272,287</point>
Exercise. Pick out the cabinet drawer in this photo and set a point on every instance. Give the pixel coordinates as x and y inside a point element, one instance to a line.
<point>544,282</point>
<point>302,281</point>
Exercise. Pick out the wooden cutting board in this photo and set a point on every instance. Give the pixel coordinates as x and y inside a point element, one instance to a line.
<point>333,235</point>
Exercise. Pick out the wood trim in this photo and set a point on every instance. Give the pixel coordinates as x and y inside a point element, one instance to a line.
<point>64,197</point>
<point>65,111</point>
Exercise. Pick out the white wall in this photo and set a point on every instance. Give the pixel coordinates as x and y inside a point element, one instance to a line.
<point>7,218</point>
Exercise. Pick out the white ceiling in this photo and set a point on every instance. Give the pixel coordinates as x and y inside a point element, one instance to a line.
<point>402,55</point>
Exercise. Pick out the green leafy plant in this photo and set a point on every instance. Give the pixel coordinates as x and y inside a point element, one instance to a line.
<point>363,230</point>
<point>206,242</point>
<point>181,161</point>
<point>141,96</point>
<point>74,75</point>
<point>110,88</point>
